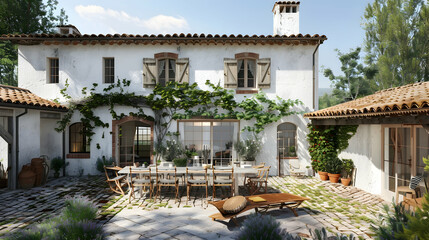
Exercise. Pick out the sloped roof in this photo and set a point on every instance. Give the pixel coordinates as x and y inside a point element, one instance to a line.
<point>405,100</point>
<point>111,39</point>
<point>15,96</point>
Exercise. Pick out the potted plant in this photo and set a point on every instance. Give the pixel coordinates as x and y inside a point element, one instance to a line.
<point>334,167</point>
<point>292,151</point>
<point>348,167</point>
<point>248,149</point>
<point>56,164</point>
<point>320,167</point>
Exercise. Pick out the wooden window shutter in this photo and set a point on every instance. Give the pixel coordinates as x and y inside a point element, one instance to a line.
<point>182,70</point>
<point>230,73</point>
<point>263,76</point>
<point>149,72</point>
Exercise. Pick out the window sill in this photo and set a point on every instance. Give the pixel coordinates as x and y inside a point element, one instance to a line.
<point>78,155</point>
<point>289,158</point>
<point>246,91</point>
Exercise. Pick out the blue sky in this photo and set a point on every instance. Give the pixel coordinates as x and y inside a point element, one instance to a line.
<point>339,20</point>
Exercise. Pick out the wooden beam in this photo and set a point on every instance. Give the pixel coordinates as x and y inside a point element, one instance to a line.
<point>417,120</point>
<point>426,127</point>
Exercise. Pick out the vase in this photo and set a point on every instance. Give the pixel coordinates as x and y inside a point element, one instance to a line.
<point>323,176</point>
<point>27,177</point>
<point>39,169</point>
<point>333,177</point>
<point>345,181</point>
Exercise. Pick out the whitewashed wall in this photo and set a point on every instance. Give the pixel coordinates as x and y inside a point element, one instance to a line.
<point>365,151</point>
<point>291,78</point>
<point>29,136</point>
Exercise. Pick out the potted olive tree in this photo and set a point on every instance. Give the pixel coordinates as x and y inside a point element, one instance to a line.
<point>348,167</point>
<point>248,149</point>
<point>334,167</point>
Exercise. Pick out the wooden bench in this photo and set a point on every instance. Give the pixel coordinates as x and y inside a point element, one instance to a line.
<point>273,200</point>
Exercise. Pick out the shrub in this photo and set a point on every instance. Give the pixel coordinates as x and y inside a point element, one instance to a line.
<point>321,234</point>
<point>392,224</point>
<point>180,162</point>
<point>258,226</point>
<point>82,230</point>
<point>348,167</point>
<point>334,165</point>
<point>101,162</point>
<point>57,163</point>
<point>79,209</point>
<point>174,149</point>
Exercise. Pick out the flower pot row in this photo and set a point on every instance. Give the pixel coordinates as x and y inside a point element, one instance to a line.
<point>333,178</point>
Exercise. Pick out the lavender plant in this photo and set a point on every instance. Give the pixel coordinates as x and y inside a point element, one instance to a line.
<point>260,227</point>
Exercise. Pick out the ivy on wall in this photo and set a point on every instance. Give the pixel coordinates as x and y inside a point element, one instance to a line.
<point>175,101</point>
<point>327,142</point>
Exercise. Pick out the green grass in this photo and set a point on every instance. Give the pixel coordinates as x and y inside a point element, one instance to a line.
<point>187,206</point>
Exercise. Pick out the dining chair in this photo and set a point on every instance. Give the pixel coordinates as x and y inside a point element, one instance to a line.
<point>255,184</point>
<point>196,178</point>
<point>253,175</point>
<point>167,178</point>
<point>223,178</point>
<point>114,180</point>
<point>140,178</point>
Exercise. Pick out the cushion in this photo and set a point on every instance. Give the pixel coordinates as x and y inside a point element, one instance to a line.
<point>234,204</point>
<point>415,181</point>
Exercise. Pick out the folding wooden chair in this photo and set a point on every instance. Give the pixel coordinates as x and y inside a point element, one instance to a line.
<point>253,175</point>
<point>223,178</point>
<point>255,184</point>
<point>115,182</point>
<point>196,178</point>
<point>167,178</point>
<point>142,178</point>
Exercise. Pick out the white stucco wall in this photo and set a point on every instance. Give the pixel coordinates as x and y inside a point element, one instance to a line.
<point>29,136</point>
<point>4,159</point>
<point>291,78</point>
<point>365,151</point>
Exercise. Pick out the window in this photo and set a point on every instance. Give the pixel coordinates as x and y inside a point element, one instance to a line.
<point>163,68</point>
<point>286,141</point>
<point>166,71</point>
<point>247,70</point>
<point>53,70</point>
<point>109,70</point>
<point>78,140</point>
<point>246,73</point>
<point>216,137</point>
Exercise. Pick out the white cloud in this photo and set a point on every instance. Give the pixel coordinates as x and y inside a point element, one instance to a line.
<point>121,22</point>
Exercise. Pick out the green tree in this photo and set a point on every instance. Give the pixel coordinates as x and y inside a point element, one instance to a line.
<point>396,41</point>
<point>328,100</point>
<point>24,16</point>
<point>356,79</point>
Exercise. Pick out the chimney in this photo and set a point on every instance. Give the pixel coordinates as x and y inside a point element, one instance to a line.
<point>286,18</point>
<point>67,29</point>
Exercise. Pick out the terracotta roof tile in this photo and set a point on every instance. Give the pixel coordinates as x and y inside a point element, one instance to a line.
<point>404,100</point>
<point>20,96</point>
<point>287,2</point>
<point>31,39</point>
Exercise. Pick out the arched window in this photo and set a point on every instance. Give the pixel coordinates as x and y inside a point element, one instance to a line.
<point>77,139</point>
<point>286,140</point>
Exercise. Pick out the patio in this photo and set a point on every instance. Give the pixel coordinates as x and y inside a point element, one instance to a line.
<point>338,208</point>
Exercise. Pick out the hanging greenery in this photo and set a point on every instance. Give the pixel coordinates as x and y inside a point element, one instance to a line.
<point>327,142</point>
<point>175,101</point>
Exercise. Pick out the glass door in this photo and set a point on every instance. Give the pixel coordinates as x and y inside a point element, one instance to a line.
<point>134,143</point>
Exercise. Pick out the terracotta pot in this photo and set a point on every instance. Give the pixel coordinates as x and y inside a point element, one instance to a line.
<point>345,181</point>
<point>26,177</point>
<point>334,177</point>
<point>323,176</point>
<point>39,169</point>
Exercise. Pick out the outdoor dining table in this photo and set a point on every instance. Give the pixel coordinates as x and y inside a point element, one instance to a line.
<point>238,172</point>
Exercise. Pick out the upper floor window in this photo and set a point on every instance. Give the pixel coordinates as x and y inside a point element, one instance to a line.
<point>109,70</point>
<point>53,73</point>
<point>163,68</point>
<point>247,70</point>
<point>77,139</point>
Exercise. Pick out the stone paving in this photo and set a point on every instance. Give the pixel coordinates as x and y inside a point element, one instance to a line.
<point>20,208</point>
<point>338,208</point>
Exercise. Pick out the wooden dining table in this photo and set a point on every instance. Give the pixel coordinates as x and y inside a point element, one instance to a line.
<point>238,172</point>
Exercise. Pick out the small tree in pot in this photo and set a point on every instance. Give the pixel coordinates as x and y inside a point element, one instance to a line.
<point>248,148</point>
<point>348,168</point>
<point>56,164</point>
<point>334,167</point>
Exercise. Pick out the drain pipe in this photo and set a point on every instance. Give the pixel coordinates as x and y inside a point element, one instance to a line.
<point>314,76</point>
<point>64,152</point>
<point>17,145</point>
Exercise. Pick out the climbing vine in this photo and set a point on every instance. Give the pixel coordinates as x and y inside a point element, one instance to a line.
<point>176,101</point>
<point>326,142</point>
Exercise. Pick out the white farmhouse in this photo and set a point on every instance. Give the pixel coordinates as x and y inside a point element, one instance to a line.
<point>284,64</point>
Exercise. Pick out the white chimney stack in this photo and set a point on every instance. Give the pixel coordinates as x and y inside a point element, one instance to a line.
<point>286,18</point>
